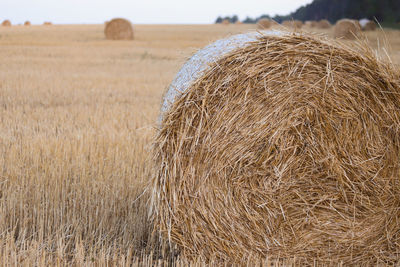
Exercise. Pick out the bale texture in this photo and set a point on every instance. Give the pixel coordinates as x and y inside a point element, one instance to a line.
<point>296,24</point>
<point>6,23</point>
<point>27,23</point>
<point>264,24</point>
<point>281,147</point>
<point>225,22</point>
<point>367,25</point>
<point>323,24</point>
<point>118,29</point>
<point>347,29</point>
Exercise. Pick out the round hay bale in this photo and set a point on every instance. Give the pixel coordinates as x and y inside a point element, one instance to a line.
<point>367,25</point>
<point>238,22</point>
<point>296,24</point>
<point>310,23</point>
<point>47,23</point>
<point>323,24</point>
<point>225,22</point>
<point>281,146</point>
<point>6,23</point>
<point>27,23</point>
<point>264,23</point>
<point>347,29</point>
<point>118,29</point>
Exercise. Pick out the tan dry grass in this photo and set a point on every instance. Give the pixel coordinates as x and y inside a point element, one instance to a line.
<point>287,148</point>
<point>77,118</point>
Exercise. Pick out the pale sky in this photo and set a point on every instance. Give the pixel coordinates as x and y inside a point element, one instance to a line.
<point>140,11</point>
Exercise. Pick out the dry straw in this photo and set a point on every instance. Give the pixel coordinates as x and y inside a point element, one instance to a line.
<point>286,147</point>
<point>118,29</point>
<point>323,24</point>
<point>297,24</point>
<point>264,24</point>
<point>6,23</point>
<point>347,29</point>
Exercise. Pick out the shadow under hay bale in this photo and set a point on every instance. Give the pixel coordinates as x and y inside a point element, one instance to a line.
<point>281,145</point>
<point>347,29</point>
<point>118,29</point>
<point>6,23</point>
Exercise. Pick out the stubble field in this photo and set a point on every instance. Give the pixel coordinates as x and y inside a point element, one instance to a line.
<point>77,118</point>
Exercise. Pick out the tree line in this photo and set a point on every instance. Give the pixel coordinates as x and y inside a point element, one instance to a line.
<point>384,11</point>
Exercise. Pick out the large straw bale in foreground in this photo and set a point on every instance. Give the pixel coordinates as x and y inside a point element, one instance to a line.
<point>6,23</point>
<point>347,29</point>
<point>118,29</point>
<point>281,146</point>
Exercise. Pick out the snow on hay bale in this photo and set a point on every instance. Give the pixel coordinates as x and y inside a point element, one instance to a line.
<point>323,24</point>
<point>118,29</point>
<point>347,29</point>
<point>6,23</point>
<point>283,146</point>
<point>367,25</point>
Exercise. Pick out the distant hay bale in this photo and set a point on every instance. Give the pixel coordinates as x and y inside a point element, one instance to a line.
<point>238,22</point>
<point>347,29</point>
<point>118,29</point>
<point>310,23</point>
<point>27,23</point>
<point>367,25</point>
<point>6,23</point>
<point>296,24</point>
<point>323,24</point>
<point>225,22</point>
<point>264,24</point>
<point>47,23</point>
<point>280,145</point>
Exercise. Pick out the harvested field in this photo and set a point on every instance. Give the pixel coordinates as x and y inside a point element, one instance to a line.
<point>78,116</point>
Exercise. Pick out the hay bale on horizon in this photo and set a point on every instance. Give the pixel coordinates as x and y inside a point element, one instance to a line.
<point>6,23</point>
<point>27,23</point>
<point>225,22</point>
<point>323,24</point>
<point>310,23</point>
<point>347,29</point>
<point>118,29</point>
<point>47,23</point>
<point>296,24</point>
<point>279,145</point>
<point>238,22</point>
<point>367,25</point>
<point>264,23</point>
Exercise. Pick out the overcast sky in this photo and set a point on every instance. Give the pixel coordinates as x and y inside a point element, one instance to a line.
<point>140,11</point>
